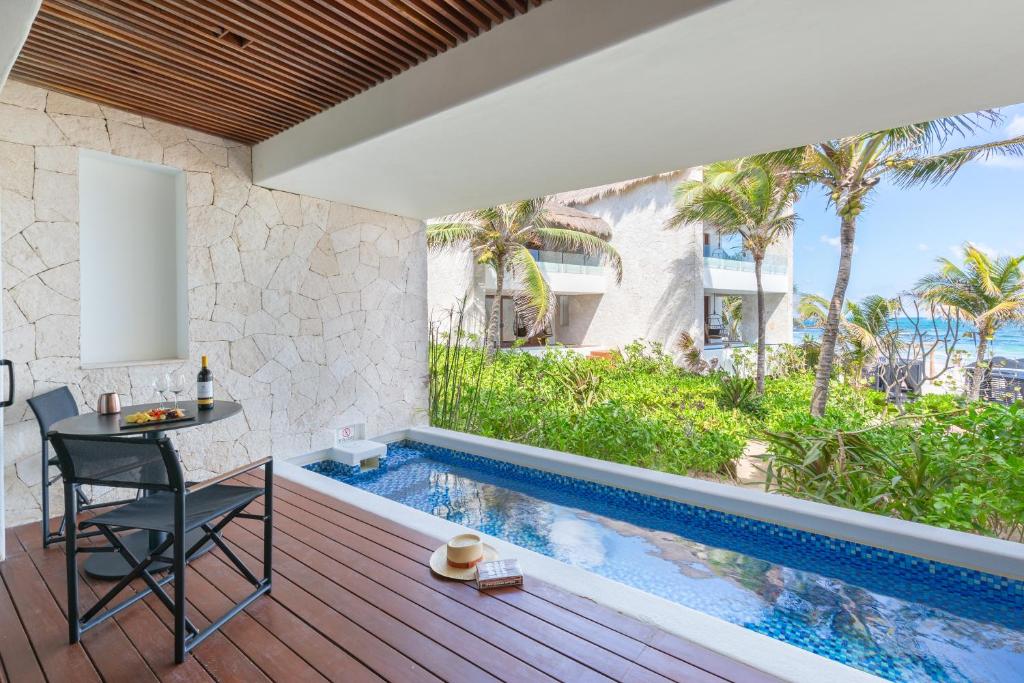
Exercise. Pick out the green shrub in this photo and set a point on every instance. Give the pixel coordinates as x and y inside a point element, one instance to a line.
<point>637,408</point>
<point>740,392</point>
<point>962,471</point>
<point>943,462</point>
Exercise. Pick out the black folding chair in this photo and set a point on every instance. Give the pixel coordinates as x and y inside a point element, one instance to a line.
<point>168,511</point>
<point>50,408</point>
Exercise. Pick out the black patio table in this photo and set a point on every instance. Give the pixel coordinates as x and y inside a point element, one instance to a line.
<point>112,565</point>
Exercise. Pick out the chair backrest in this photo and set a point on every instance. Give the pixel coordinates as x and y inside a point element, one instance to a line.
<point>128,462</point>
<point>52,407</point>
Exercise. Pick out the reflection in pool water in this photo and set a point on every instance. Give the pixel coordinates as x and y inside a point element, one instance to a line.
<point>905,634</point>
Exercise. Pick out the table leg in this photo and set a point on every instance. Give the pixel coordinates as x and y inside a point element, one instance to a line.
<point>140,543</point>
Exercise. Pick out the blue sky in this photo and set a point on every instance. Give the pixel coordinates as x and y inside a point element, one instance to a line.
<point>902,232</point>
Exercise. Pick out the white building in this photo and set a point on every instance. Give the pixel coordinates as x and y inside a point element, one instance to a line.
<point>673,281</point>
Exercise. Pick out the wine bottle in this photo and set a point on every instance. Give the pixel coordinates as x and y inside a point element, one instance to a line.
<point>204,387</point>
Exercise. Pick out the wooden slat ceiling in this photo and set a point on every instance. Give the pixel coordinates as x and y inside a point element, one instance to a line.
<point>241,69</point>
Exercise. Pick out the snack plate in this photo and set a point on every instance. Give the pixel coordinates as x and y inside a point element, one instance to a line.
<point>126,425</point>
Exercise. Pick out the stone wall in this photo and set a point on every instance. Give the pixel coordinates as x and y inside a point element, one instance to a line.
<point>313,313</point>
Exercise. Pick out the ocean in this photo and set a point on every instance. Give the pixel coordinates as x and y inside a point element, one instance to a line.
<point>1008,342</point>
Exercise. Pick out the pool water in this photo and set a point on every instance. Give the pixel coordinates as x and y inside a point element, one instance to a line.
<point>896,616</point>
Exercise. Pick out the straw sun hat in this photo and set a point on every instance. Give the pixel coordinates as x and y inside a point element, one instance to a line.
<point>458,558</point>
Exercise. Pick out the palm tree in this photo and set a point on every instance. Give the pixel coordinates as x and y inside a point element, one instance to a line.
<point>850,168</point>
<point>812,308</point>
<point>989,292</point>
<point>747,198</point>
<point>503,236</point>
<point>866,330</point>
<point>732,314</point>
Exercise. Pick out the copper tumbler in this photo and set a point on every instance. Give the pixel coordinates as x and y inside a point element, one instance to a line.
<point>108,403</point>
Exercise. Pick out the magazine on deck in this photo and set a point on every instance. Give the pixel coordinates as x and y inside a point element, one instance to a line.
<point>498,573</point>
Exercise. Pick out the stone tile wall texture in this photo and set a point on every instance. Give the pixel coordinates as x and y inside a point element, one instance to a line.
<point>313,313</point>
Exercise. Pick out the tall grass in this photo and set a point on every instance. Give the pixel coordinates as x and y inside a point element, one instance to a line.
<point>458,361</point>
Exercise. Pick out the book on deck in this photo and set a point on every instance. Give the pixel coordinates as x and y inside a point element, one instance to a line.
<point>498,573</point>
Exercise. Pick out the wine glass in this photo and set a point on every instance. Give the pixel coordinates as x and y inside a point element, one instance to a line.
<point>178,384</point>
<point>162,386</point>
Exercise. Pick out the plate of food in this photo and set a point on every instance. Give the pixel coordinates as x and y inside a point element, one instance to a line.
<point>155,416</point>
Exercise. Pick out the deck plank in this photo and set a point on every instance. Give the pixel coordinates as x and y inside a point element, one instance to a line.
<point>349,517</point>
<point>363,571</point>
<point>12,545</point>
<point>353,600</point>
<point>17,658</point>
<point>103,639</point>
<point>518,631</point>
<point>430,654</point>
<point>44,623</point>
<point>150,636</point>
<point>470,639</point>
<point>308,643</point>
<point>221,658</point>
<point>543,620</point>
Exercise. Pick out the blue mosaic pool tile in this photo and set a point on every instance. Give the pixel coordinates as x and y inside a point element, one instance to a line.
<point>495,497</point>
<point>893,569</point>
<point>333,469</point>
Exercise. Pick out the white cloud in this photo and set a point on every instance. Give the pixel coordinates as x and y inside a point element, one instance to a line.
<point>1016,126</point>
<point>921,246</point>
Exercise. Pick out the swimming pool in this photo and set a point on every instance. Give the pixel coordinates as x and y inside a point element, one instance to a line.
<point>897,616</point>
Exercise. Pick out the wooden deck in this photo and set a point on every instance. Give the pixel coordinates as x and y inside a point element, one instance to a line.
<point>353,600</point>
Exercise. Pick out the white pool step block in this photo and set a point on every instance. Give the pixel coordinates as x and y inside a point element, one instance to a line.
<point>356,451</point>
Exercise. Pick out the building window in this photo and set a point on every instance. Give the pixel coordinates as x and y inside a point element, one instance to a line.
<point>563,310</point>
<point>134,290</point>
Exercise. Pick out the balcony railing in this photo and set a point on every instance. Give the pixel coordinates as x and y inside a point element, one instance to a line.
<point>563,262</point>
<point>717,257</point>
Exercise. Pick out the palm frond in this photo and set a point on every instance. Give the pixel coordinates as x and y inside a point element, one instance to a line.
<point>988,291</point>
<point>564,239</point>
<point>935,133</point>
<point>940,168</point>
<point>717,206</point>
<point>813,307</point>
<point>449,236</point>
<point>535,302</point>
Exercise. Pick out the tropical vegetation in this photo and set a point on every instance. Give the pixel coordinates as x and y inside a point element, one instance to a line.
<point>504,238</point>
<point>745,197</point>
<point>636,408</point>
<point>961,468</point>
<point>988,292</point>
<point>942,461</point>
<point>850,168</point>
<point>866,325</point>
<point>948,460</point>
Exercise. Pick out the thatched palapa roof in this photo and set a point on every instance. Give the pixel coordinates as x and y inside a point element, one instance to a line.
<point>558,214</point>
<point>590,194</point>
<point>568,217</point>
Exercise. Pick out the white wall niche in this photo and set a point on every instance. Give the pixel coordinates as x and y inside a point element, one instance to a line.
<point>134,281</point>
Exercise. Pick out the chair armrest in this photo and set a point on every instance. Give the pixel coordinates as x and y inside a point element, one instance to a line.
<point>228,475</point>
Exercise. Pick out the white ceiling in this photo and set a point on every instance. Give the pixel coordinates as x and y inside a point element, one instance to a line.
<point>582,92</point>
<point>16,17</point>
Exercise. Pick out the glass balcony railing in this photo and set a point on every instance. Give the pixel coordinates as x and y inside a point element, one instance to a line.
<point>563,262</point>
<point>739,259</point>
